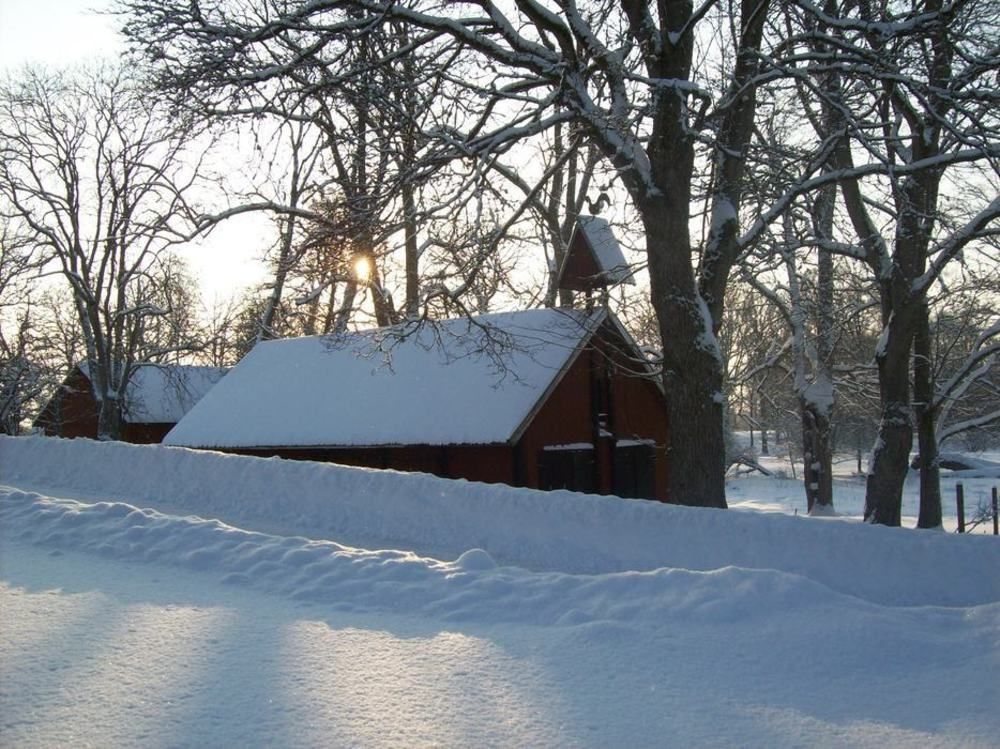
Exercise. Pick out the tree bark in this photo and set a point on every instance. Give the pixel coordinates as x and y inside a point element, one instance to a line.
<point>109,419</point>
<point>343,314</point>
<point>109,399</point>
<point>412,304</point>
<point>903,304</point>
<point>816,458</point>
<point>926,417</point>
<point>735,134</point>
<point>692,375</point>
<point>758,397</point>
<point>891,454</point>
<point>816,418</point>
<point>385,311</point>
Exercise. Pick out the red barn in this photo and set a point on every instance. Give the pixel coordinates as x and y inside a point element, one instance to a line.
<point>156,398</point>
<point>548,398</point>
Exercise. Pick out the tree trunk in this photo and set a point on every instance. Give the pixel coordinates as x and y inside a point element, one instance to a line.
<point>265,330</point>
<point>343,315</point>
<point>735,134</point>
<point>385,311</point>
<point>891,454</point>
<point>690,311</point>
<point>816,458</point>
<point>916,204</point>
<point>109,419</point>
<point>572,213</point>
<point>697,447</point>
<point>764,447</point>
<point>923,397</point>
<point>916,199</point>
<point>553,225</point>
<point>816,417</point>
<point>412,303</point>
<point>692,375</point>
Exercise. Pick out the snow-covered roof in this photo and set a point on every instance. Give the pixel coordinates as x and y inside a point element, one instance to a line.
<point>461,381</point>
<point>163,393</point>
<point>613,267</point>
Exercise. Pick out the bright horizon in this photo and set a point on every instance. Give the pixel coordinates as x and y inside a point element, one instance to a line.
<point>62,33</point>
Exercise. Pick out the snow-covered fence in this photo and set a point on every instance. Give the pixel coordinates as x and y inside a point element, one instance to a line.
<point>983,513</point>
<point>960,506</point>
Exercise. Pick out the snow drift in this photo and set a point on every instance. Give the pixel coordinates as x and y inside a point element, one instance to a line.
<point>542,531</point>
<point>472,588</point>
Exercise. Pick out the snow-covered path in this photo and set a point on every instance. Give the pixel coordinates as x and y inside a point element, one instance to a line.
<point>100,653</point>
<point>122,626</point>
<point>97,653</point>
<point>108,652</point>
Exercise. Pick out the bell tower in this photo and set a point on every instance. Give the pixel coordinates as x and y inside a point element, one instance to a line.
<point>594,261</point>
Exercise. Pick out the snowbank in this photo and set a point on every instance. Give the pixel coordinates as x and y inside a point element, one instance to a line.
<point>472,588</point>
<point>545,531</point>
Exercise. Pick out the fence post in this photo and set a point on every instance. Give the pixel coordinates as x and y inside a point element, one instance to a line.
<point>960,505</point>
<point>996,529</point>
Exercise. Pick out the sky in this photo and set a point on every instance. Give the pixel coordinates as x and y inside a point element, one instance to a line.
<point>68,32</point>
<point>52,32</point>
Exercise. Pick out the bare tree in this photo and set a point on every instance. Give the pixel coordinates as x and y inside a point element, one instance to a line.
<point>965,345</point>
<point>657,91</point>
<point>23,376</point>
<point>806,307</point>
<point>955,376</point>
<point>909,89</point>
<point>793,268</point>
<point>621,77</point>
<point>99,179</point>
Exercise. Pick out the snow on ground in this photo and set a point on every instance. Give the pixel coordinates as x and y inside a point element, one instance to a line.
<point>782,492</point>
<point>541,531</point>
<point>131,614</point>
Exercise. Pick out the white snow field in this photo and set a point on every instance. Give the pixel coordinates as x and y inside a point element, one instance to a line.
<point>155,596</point>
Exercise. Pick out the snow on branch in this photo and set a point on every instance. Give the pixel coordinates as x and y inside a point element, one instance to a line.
<point>946,251</point>
<point>938,161</point>
<point>976,422</point>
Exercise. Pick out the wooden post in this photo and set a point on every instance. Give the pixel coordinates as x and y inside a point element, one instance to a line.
<point>960,504</point>
<point>996,529</point>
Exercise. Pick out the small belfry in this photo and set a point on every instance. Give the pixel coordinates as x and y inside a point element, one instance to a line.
<point>594,261</point>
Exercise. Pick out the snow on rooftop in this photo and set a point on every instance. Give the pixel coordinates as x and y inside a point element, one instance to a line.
<point>461,381</point>
<point>607,252</point>
<point>162,393</point>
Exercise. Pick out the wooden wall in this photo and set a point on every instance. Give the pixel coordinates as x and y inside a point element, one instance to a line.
<point>637,411</point>
<point>73,412</point>
<point>599,382</point>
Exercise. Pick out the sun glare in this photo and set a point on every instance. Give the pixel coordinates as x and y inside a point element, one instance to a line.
<point>362,269</point>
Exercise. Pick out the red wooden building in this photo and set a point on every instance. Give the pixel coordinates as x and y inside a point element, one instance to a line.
<point>548,398</point>
<point>155,400</point>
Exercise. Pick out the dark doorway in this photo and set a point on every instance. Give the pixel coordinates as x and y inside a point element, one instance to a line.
<point>634,471</point>
<point>567,468</point>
